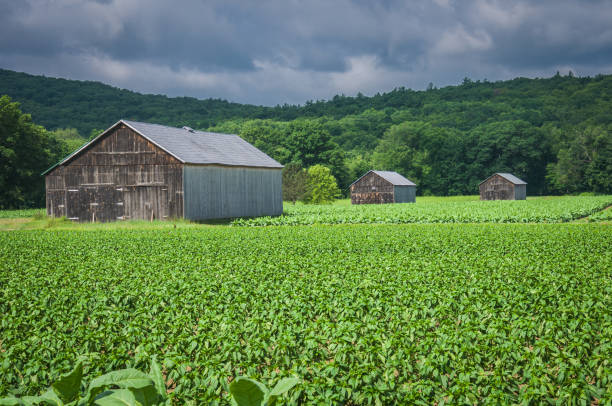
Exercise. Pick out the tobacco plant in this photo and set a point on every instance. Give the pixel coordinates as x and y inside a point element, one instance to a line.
<point>442,210</point>
<point>363,314</point>
<point>130,387</point>
<point>123,387</point>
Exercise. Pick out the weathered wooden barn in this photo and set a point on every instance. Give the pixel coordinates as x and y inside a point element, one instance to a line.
<point>503,186</point>
<point>376,187</point>
<point>147,171</point>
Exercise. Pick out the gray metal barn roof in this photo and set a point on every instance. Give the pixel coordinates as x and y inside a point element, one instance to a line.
<point>194,147</point>
<point>198,147</point>
<point>392,177</point>
<point>509,177</point>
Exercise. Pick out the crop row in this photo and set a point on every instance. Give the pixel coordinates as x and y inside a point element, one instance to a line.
<point>362,314</point>
<point>604,215</point>
<point>537,210</point>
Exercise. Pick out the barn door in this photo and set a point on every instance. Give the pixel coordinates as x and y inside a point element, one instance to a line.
<point>73,208</point>
<point>56,203</point>
<point>146,202</point>
<point>98,203</point>
<point>105,203</point>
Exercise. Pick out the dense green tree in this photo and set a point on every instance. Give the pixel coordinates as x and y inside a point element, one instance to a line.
<point>508,146</point>
<point>70,136</point>
<point>403,149</point>
<point>94,133</point>
<point>361,131</point>
<point>295,183</point>
<point>322,186</point>
<point>446,162</point>
<point>310,144</point>
<point>584,162</point>
<point>358,165</point>
<point>26,150</point>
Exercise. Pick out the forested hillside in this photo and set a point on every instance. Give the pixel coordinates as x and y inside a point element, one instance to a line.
<point>84,105</point>
<point>554,133</point>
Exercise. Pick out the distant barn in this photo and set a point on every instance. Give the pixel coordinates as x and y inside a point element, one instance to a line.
<point>376,187</point>
<point>503,186</point>
<point>147,171</point>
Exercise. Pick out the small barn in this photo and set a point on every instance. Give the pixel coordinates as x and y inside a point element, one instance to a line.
<point>503,186</point>
<point>377,187</point>
<point>147,171</point>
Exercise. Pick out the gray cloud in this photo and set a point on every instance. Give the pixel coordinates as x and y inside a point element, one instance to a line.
<point>277,51</point>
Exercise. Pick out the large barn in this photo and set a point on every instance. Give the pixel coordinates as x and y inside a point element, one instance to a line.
<point>376,187</point>
<point>147,171</point>
<point>503,186</point>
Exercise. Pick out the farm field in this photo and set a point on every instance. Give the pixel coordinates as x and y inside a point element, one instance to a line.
<point>605,215</point>
<point>24,213</point>
<point>427,209</point>
<point>461,209</point>
<point>363,314</point>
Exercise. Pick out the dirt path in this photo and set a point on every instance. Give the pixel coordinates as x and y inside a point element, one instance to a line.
<point>13,224</point>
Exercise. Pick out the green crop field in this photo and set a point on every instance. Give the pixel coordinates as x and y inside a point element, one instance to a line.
<point>463,209</point>
<point>14,214</point>
<point>605,215</point>
<point>362,314</point>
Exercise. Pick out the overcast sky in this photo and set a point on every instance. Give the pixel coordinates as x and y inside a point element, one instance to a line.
<point>289,51</point>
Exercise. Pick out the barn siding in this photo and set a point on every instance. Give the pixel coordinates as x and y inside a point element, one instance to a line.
<point>121,176</point>
<point>497,188</point>
<point>371,189</point>
<point>405,194</point>
<point>212,192</point>
<point>520,192</point>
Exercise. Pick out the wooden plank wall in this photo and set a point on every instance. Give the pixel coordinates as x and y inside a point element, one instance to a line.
<point>497,188</point>
<point>121,176</point>
<point>372,189</point>
<point>216,192</point>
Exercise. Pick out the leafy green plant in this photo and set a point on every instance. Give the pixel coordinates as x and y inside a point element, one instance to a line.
<point>23,213</point>
<point>604,215</point>
<point>130,387</point>
<point>321,184</point>
<point>249,392</point>
<point>362,314</point>
<point>123,387</point>
<point>442,210</point>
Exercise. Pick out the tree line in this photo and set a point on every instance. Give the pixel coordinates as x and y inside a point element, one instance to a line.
<point>554,133</point>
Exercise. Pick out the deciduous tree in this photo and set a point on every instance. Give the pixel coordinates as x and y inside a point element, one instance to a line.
<point>26,150</point>
<point>295,181</point>
<point>322,186</point>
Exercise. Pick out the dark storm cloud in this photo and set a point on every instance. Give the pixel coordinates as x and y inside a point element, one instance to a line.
<point>276,51</point>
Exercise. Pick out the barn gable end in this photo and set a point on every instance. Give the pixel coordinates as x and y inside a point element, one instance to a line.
<point>503,186</point>
<point>379,187</point>
<point>120,175</point>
